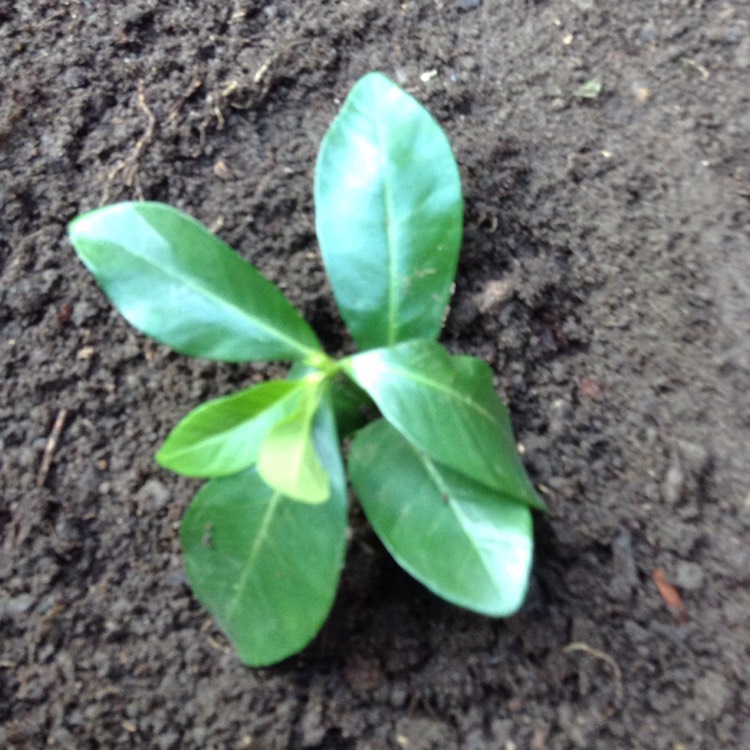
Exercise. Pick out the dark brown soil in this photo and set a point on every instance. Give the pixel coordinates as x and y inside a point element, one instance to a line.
<point>605,276</point>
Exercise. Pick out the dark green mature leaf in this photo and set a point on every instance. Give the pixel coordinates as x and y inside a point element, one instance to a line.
<point>447,407</point>
<point>466,543</point>
<point>288,460</point>
<point>175,281</point>
<point>267,567</point>
<point>353,407</point>
<point>223,436</point>
<point>389,214</point>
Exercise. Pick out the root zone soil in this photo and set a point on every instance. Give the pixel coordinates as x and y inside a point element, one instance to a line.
<point>605,276</point>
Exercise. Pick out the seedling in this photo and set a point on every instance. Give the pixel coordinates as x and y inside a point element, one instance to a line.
<point>435,469</point>
<point>589,90</point>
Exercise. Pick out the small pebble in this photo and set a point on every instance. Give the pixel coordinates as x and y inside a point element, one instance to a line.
<point>673,483</point>
<point>155,493</point>
<point>688,576</point>
<point>712,694</point>
<point>495,293</point>
<point>17,605</point>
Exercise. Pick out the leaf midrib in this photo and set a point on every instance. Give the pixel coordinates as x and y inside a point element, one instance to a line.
<point>436,385</point>
<point>434,472</point>
<point>222,436</point>
<point>253,552</point>
<point>390,231</point>
<point>453,502</point>
<point>188,281</point>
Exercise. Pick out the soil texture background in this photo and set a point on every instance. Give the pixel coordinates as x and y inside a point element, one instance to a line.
<point>605,277</point>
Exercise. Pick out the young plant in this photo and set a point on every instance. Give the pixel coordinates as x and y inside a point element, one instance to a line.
<point>436,472</point>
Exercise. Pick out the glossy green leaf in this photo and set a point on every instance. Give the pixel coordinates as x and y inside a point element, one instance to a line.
<point>288,460</point>
<point>463,541</point>
<point>447,407</point>
<point>267,567</point>
<point>389,214</point>
<point>174,280</point>
<point>223,436</point>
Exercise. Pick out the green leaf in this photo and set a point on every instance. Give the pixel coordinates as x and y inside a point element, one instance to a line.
<point>389,214</point>
<point>466,543</point>
<point>178,283</point>
<point>447,407</point>
<point>223,436</point>
<point>264,566</point>
<point>351,405</point>
<point>288,461</point>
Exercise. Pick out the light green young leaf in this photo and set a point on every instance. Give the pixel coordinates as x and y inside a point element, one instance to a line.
<point>466,543</point>
<point>178,283</point>
<point>447,407</point>
<point>389,214</point>
<point>352,407</point>
<point>288,460</point>
<point>223,436</point>
<point>264,566</point>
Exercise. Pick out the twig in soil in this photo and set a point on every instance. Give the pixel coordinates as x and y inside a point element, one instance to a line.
<point>49,450</point>
<point>207,625</point>
<point>218,646</point>
<point>237,12</point>
<point>705,75</point>
<point>597,654</point>
<point>130,165</point>
<point>51,18</point>
<point>262,70</point>
<point>144,140</point>
<point>669,594</point>
<point>215,101</point>
<point>195,84</point>
<point>217,225</point>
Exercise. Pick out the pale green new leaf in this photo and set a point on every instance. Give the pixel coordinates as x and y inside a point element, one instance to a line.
<point>389,214</point>
<point>466,543</point>
<point>223,436</point>
<point>267,567</point>
<point>174,280</point>
<point>351,405</point>
<point>288,460</point>
<point>447,407</point>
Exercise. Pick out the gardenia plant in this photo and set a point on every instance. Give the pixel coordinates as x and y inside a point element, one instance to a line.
<point>435,468</point>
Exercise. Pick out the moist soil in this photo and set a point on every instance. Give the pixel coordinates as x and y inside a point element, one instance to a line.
<point>605,277</point>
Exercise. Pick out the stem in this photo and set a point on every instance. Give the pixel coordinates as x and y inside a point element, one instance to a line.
<point>322,362</point>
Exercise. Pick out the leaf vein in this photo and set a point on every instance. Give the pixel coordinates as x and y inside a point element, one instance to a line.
<point>189,282</point>
<point>253,552</point>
